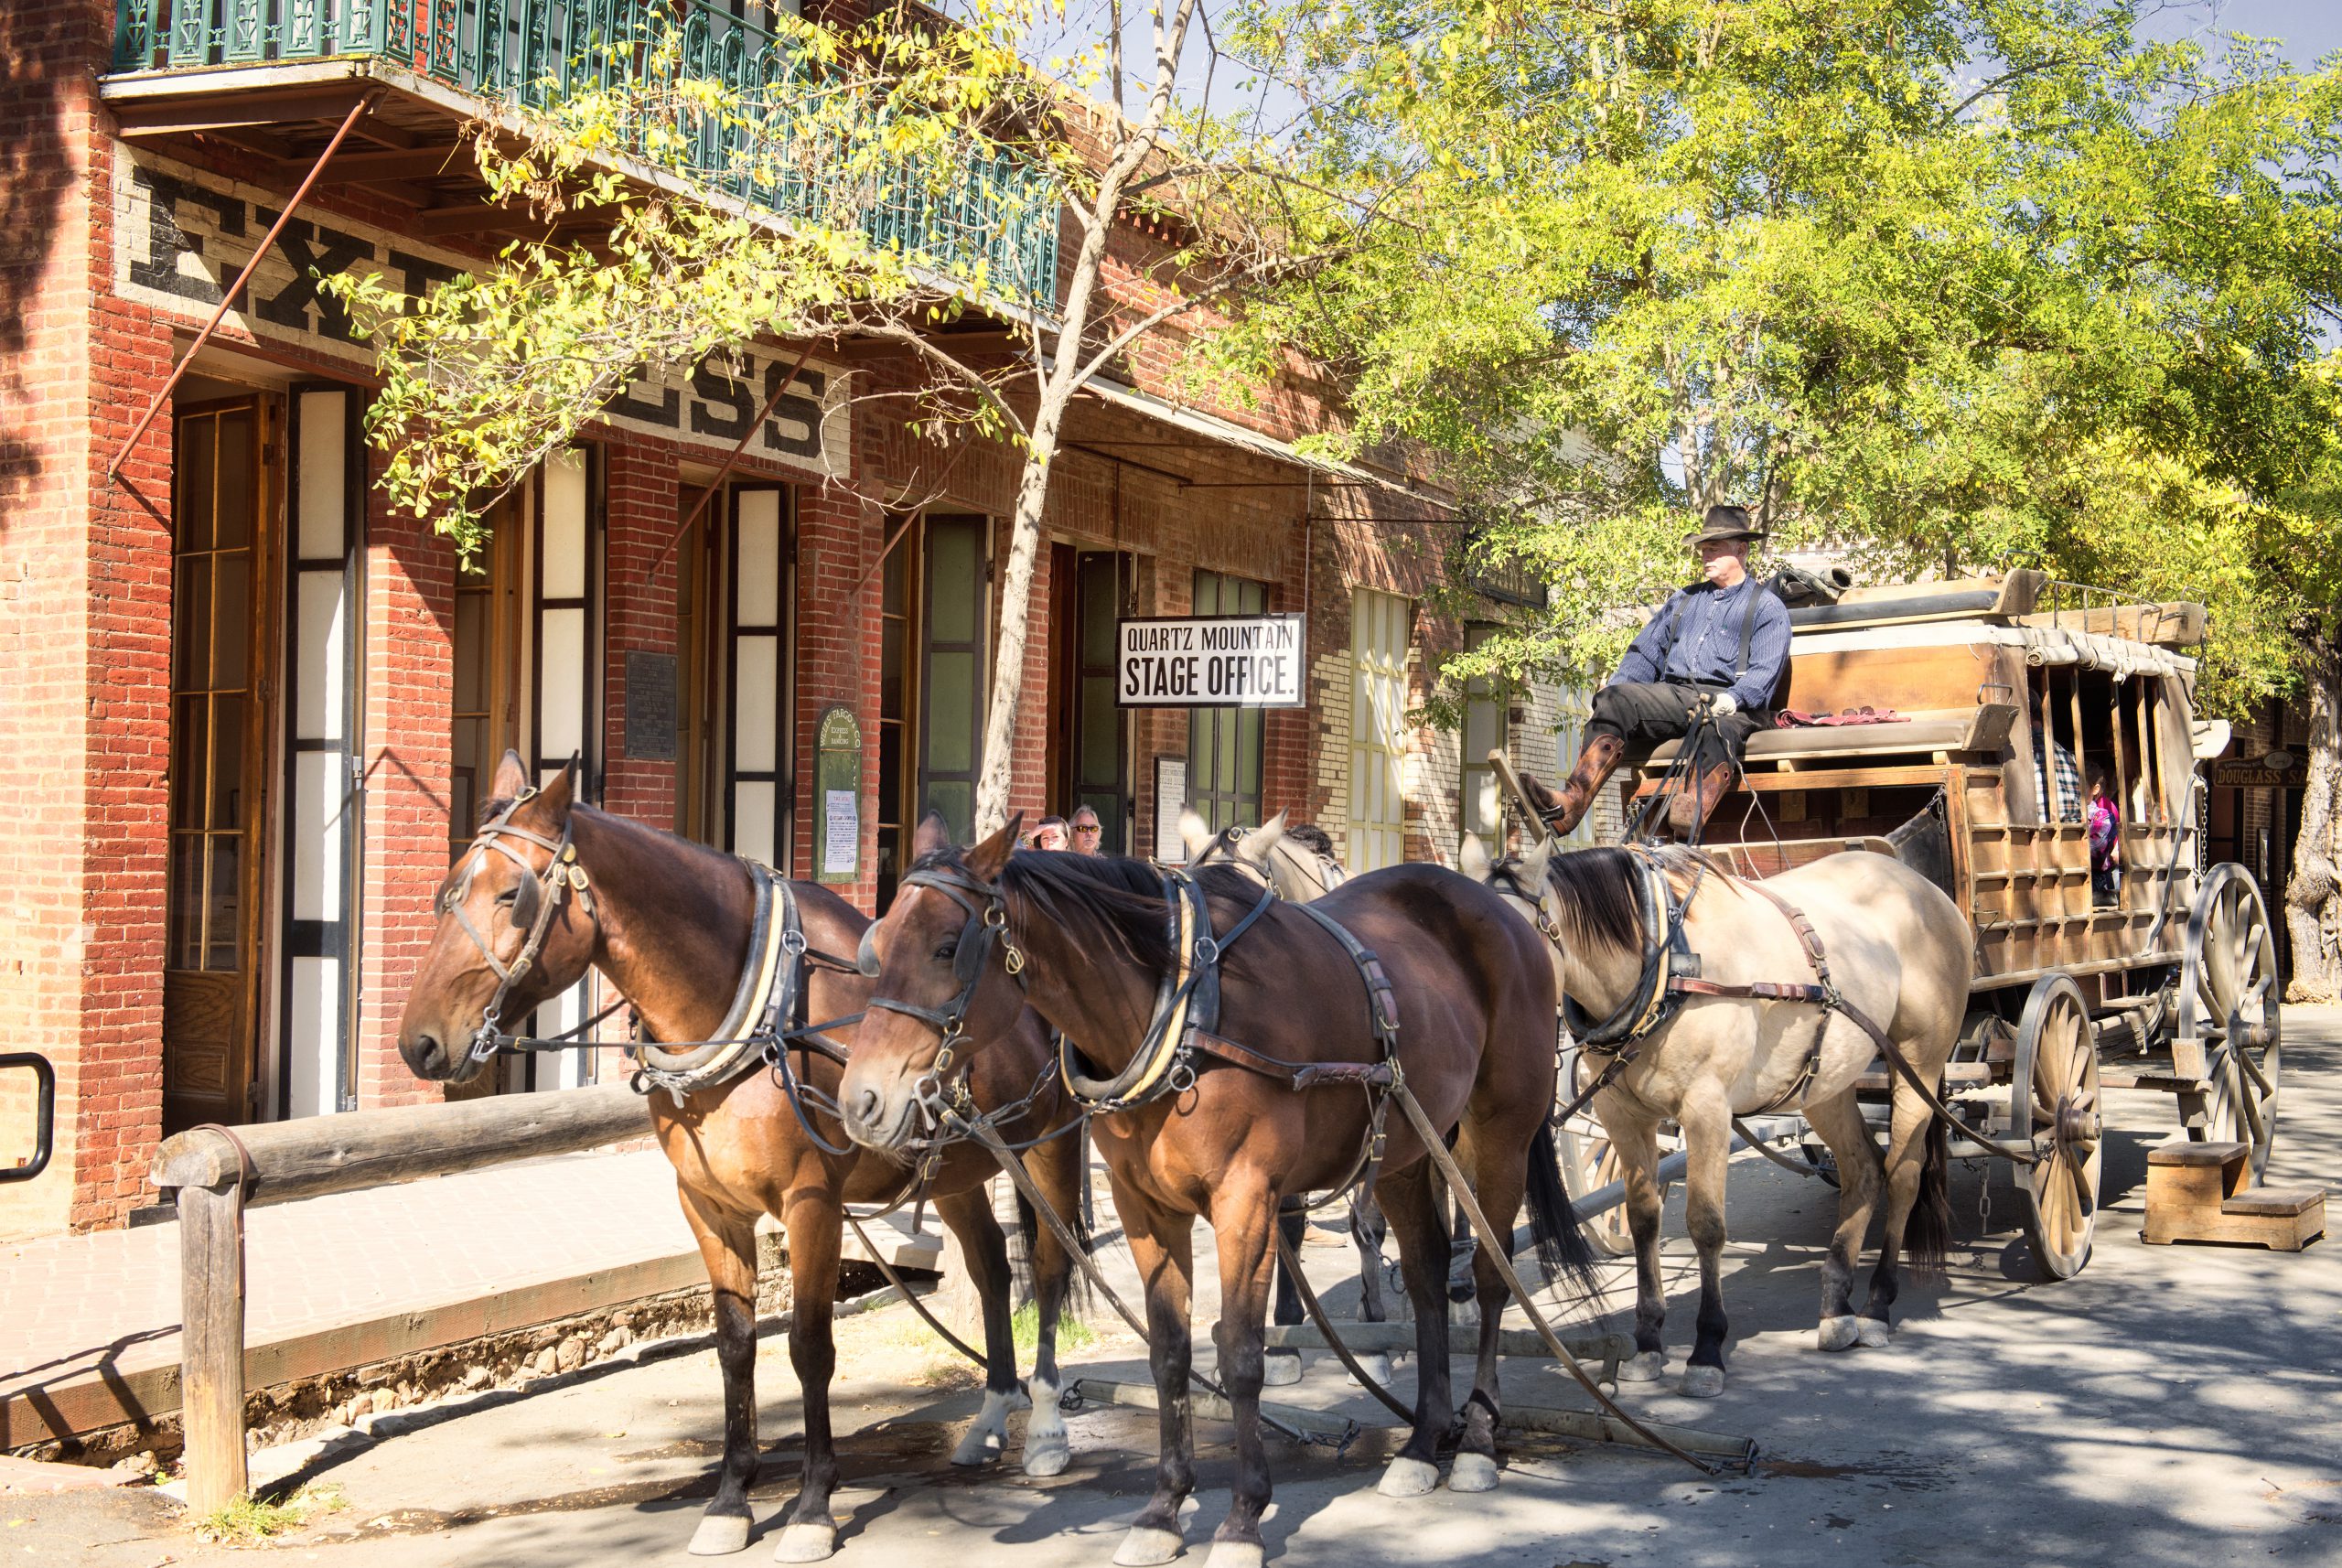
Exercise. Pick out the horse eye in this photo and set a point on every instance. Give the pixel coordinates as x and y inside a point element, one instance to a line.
<point>504,901</point>
<point>949,950</point>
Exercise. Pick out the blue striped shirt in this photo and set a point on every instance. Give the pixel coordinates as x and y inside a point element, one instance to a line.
<point>1707,645</point>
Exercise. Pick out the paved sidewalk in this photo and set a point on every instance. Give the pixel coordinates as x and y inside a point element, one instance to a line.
<point>90,1325</point>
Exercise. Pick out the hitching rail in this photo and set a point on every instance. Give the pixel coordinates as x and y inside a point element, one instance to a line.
<point>218,1172</point>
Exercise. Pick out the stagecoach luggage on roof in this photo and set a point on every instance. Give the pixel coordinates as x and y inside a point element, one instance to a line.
<point>2169,984</point>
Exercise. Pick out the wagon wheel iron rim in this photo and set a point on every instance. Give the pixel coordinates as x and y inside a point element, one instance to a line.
<point>2229,1003</point>
<point>2056,1105</point>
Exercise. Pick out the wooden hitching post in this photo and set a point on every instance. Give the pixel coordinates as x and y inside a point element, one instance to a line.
<point>211,1344</point>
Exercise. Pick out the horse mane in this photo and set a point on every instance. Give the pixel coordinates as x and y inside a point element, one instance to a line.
<point>1111,896</point>
<point>1597,888</point>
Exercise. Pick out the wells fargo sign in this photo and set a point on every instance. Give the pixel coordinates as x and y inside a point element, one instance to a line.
<point>182,236</point>
<point>1209,662</point>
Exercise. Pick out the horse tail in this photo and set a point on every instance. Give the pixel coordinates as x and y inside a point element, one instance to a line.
<point>1079,1296</point>
<point>1928,1234</point>
<point>1563,1250</point>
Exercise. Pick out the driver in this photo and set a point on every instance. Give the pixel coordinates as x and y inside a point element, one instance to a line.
<point>1720,644</point>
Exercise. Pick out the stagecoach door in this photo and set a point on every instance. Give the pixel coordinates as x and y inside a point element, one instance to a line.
<point>224,493</point>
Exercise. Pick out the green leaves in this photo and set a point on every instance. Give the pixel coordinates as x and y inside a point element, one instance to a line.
<point>1976,282</point>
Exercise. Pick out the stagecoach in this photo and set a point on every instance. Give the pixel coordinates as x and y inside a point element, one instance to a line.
<point>2169,983</point>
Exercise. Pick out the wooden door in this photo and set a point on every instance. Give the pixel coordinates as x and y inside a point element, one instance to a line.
<point>223,497</point>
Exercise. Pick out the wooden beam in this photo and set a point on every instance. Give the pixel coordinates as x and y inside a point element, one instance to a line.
<point>319,1155</point>
<point>364,168</point>
<point>141,121</point>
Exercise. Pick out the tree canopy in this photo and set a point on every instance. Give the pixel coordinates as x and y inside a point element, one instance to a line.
<point>1945,282</point>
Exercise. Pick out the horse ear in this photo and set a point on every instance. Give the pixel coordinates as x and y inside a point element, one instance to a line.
<point>1195,833</point>
<point>985,860</point>
<point>1472,859</point>
<point>553,803</point>
<point>511,776</point>
<point>1262,843</point>
<point>932,836</point>
<point>1534,864</point>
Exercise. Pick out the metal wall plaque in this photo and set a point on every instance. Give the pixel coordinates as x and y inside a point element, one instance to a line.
<point>651,707</point>
<point>837,784</point>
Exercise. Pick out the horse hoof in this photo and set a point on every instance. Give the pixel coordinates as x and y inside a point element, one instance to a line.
<point>1643,1367</point>
<point>1234,1554</point>
<point>1147,1547</point>
<point>810,1540</point>
<point>1874,1333</point>
<point>1278,1369</point>
<point>1703,1383</point>
<point>1406,1477</point>
<point>1840,1333</point>
<point>981,1446</point>
<point>1378,1367</point>
<point>1048,1456</point>
<point>1473,1473</point>
<point>720,1535</point>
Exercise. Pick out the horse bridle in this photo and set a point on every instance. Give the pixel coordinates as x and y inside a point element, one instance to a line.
<point>536,903</point>
<point>986,925</point>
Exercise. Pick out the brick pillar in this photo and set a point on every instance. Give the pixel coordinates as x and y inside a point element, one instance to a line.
<point>839,591</point>
<point>638,489</point>
<point>409,684</point>
<point>1029,787</point>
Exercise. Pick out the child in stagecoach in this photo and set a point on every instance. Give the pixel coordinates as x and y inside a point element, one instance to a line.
<point>2105,837</point>
<point>1716,648</point>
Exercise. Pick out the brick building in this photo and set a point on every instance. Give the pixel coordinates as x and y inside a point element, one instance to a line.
<point>248,709</point>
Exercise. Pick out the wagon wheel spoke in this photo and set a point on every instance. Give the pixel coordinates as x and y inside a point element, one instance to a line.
<point>2085,1202</point>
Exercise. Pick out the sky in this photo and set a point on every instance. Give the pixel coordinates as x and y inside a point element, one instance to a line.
<point>2310,30</point>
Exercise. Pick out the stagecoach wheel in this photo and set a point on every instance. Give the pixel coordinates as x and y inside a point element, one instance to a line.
<point>2227,1005</point>
<point>1589,1163</point>
<point>2054,1103</point>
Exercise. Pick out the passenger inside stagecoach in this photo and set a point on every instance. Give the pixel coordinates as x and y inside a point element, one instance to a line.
<point>2105,837</point>
<point>2056,776</point>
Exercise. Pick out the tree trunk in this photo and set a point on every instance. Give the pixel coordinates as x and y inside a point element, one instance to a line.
<point>2313,894</point>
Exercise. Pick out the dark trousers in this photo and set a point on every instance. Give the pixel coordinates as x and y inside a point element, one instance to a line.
<point>1645,713</point>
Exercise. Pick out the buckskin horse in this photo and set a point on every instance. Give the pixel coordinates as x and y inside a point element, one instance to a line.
<point>699,943</point>
<point>1702,997</point>
<point>1275,1090</point>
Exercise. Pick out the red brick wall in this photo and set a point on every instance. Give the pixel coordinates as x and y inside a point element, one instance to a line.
<point>46,442</point>
<point>409,679</point>
<point>639,487</point>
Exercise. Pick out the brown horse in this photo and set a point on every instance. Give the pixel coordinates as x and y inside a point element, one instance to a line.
<point>1898,950</point>
<point>669,922</point>
<point>1088,939</point>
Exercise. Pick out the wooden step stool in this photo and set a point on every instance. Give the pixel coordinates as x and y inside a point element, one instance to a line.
<point>2199,1192</point>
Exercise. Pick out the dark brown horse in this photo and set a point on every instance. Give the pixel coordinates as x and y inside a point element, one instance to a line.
<point>1088,938</point>
<point>669,922</point>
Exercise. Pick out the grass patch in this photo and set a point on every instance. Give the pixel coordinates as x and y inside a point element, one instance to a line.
<point>248,1520</point>
<point>1025,1327</point>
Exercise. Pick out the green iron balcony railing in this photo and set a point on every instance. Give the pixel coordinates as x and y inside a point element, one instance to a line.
<point>998,211</point>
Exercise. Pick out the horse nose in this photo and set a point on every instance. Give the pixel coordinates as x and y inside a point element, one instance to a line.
<point>865,1107</point>
<point>429,1052</point>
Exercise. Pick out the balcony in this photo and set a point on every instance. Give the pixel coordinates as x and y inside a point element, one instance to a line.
<point>526,54</point>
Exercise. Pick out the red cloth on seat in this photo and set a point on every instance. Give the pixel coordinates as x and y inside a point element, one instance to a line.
<point>1789,718</point>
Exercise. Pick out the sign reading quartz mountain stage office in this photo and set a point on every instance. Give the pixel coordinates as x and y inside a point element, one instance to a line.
<point>1209,662</point>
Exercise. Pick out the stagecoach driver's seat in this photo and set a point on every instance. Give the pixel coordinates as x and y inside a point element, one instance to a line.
<point>1720,644</point>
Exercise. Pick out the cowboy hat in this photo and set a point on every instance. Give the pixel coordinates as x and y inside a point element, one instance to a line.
<point>1725,522</point>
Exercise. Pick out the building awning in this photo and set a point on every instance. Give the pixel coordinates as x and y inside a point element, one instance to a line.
<point>1228,432</point>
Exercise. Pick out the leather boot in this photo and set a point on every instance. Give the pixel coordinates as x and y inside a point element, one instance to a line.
<point>1565,809</point>
<point>1695,800</point>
